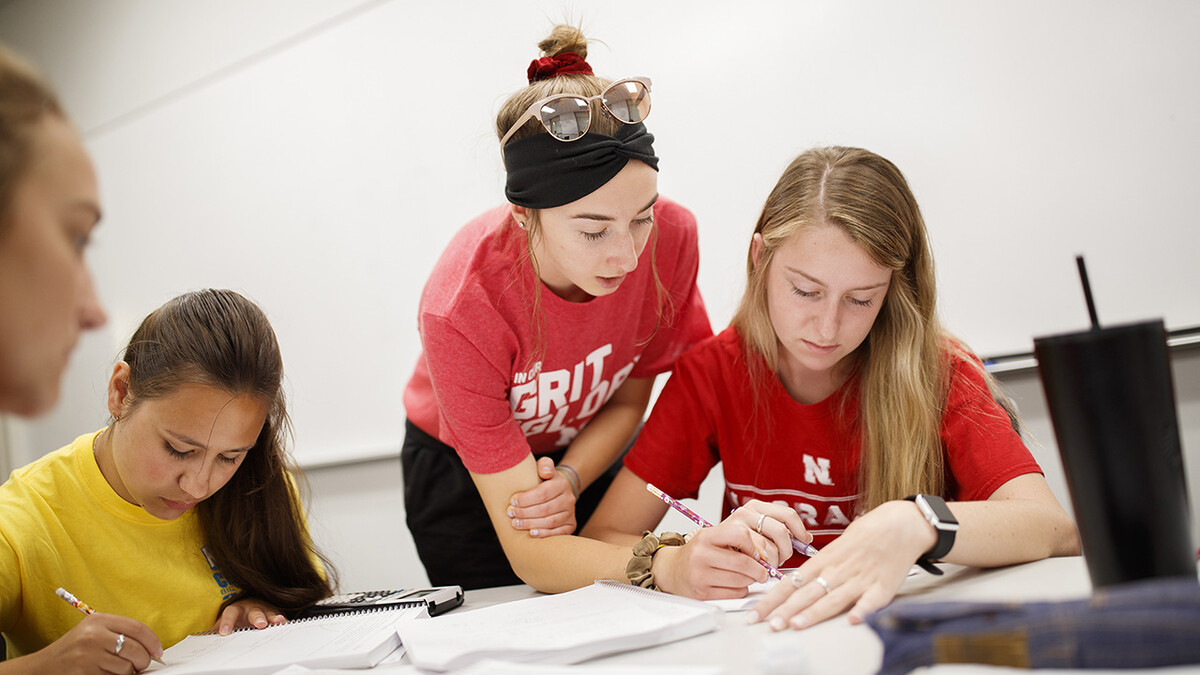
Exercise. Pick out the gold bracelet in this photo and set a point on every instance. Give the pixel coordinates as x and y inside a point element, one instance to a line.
<point>637,571</point>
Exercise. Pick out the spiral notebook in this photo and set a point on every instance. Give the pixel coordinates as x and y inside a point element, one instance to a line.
<point>566,628</point>
<point>355,640</point>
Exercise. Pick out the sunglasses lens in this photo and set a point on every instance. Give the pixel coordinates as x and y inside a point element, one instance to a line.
<point>628,101</point>
<point>566,118</point>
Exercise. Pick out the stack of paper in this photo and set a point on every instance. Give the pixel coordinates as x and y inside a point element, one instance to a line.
<point>570,627</point>
<point>342,641</point>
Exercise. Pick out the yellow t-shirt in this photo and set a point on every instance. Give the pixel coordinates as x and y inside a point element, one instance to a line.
<point>61,524</point>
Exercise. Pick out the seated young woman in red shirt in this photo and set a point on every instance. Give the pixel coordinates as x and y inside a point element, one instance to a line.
<point>833,396</point>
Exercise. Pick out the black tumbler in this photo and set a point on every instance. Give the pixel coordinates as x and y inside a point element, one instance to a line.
<point>1112,404</point>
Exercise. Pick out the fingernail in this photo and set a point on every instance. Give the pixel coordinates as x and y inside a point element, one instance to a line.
<point>799,621</point>
<point>514,501</point>
<point>516,522</point>
<point>752,617</point>
<point>757,555</point>
<point>261,623</point>
<point>533,532</point>
<point>511,513</point>
<point>224,630</point>
<point>777,623</point>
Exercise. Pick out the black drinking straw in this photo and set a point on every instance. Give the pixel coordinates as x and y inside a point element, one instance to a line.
<point>1087,292</point>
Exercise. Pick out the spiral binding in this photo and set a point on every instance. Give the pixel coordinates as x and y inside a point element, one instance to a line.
<point>325,617</point>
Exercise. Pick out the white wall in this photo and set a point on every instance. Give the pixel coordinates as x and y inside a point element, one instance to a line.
<point>317,155</point>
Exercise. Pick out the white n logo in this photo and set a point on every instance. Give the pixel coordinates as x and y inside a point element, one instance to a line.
<point>816,470</point>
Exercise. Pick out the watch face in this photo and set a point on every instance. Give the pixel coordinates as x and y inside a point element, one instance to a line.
<point>936,507</point>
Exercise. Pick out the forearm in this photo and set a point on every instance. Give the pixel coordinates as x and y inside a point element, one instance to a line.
<point>550,564</point>
<point>611,534</point>
<point>1021,521</point>
<point>626,511</point>
<point>567,562</point>
<point>601,442</point>
<point>1008,531</point>
<point>607,435</point>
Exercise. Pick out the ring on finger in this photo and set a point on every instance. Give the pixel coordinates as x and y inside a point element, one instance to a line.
<point>120,643</point>
<point>758,526</point>
<point>823,584</point>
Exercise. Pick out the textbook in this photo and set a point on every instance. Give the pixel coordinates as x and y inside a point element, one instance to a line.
<point>566,628</point>
<point>355,640</point>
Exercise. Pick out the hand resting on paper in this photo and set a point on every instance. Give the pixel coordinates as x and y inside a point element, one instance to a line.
<point>89,647</point>
<point>863,568</point>
<point>549,508</point>
<point>247,613</point>
<point>720,562</point>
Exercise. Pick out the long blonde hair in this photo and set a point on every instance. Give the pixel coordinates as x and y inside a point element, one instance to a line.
<point>563,38</point>
<point>903,365</point>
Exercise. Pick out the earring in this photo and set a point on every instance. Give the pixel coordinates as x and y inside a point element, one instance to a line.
<point>521,224</point>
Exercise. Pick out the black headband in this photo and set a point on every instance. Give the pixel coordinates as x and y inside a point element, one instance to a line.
<point>544,172</point>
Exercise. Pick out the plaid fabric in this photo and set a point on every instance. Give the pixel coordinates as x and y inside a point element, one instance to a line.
<point>1145,624</point>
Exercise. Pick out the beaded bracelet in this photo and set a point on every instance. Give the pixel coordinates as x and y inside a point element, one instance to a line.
<point>637,571</point>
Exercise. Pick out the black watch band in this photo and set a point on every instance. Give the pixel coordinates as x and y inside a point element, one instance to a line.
<point>944,524</point>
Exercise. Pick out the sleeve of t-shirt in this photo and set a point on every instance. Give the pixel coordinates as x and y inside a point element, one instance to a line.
<point>677,446</point>
<point>982,448</point>
<point>687,323</point>
<point>472,395</point>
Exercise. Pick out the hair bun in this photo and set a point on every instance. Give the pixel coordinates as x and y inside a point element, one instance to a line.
<point>564,38</point>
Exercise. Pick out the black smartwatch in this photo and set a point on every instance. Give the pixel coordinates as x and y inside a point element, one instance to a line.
<point>944,523</point>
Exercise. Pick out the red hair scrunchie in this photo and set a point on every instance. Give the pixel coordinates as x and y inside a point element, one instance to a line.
<point>553,66</point>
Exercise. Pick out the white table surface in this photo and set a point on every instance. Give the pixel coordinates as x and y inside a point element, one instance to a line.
<point>836,646</point>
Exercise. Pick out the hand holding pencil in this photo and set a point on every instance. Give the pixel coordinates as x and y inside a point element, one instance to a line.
<point>99,643</point>
<point>718,567</point>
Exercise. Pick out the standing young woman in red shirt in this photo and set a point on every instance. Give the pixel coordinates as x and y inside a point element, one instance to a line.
<point>543,326</point>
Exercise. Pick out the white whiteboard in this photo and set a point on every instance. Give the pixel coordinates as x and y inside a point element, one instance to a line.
<point>318,155</point>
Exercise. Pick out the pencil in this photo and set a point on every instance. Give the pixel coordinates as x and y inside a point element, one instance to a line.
<point>799,546</point>
<point>697,519</point>
<point>85,608</point>
<point>74,601</point>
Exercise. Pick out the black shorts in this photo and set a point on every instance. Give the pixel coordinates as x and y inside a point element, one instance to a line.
<point>448,521</point>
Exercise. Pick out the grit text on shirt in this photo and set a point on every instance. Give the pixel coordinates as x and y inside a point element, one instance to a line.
<point>551,401</point>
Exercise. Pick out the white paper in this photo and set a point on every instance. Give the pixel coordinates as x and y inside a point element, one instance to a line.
<point>342,641</point>
<point>564,628</point>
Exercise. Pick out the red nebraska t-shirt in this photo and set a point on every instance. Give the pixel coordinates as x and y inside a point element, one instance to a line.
<point>491,388</point>
<point>802,455</point>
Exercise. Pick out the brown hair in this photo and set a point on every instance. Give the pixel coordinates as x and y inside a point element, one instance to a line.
<point>564,38</point>
<point>25,100</point>
<point>903,366</point>
<point>253,526</point>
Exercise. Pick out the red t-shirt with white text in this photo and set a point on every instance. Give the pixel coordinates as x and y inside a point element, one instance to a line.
<point>799,455</point>
<point>481,385</point>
